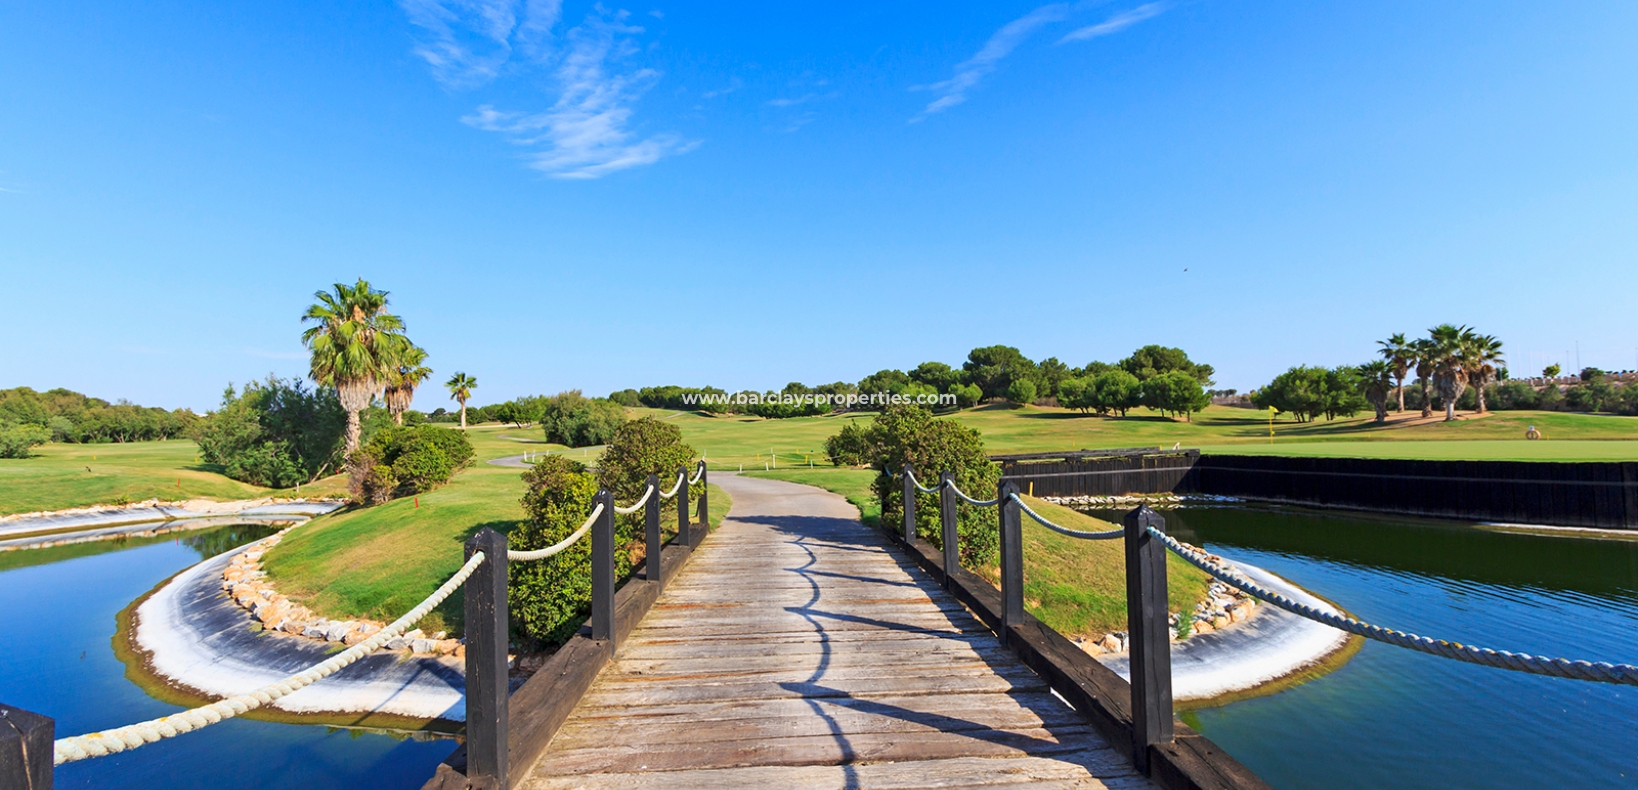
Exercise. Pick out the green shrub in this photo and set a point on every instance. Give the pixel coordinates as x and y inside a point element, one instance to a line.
<point>573,419</point>
<point>275,433</point>
<point>850,446</point>
<point>1021,392</point>
<point>908,434</point>
<point>967,395</point>
<point>627,397</point>
<point>406,460</point>
<point>640,448</point>
<point>17,440</point>
<point>1512,395</point>
<point>550,598</point>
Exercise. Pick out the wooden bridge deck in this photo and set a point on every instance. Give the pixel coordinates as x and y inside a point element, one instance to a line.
<point>796,650</point>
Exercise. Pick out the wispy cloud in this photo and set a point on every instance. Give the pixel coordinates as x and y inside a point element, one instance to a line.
<point>585,134</point>
<point>1116,23</point>
<point>734,84</point>
<point>587,131</point>
<point>953,91</point>
<point>970,72</point>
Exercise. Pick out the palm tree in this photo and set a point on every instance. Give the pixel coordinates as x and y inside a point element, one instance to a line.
<point>1376,377</point>
<point>1452,350</point>
<point>1399,354</point>
<point>1486,356</point>
<point>402,380</point>
<point>355,345</point>
<point>460,388</point>
<point>1423,349</point>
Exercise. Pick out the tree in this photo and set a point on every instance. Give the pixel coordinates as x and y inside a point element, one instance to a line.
<point>966,395</point>
<point>1452,349</point>
<point>1050,374</point>
<point>993,368</point>
<point>1153,360</point>
<point>274,433</point>
<point>1551,371</point>
<point>402,380</point>
<point>1400,355</point>
<point>937,375</point>
<point>1178,392</point>
<point>355,346</point>
<point>572,419</point>
<point>1484,355</point>
<point>460,388</point>
<point>1377,378</point>
<point>1300,391</point>
<point>1077,392</point>
<point>1021,392</point>
<point>1425,363</point>
<point>908,434</point>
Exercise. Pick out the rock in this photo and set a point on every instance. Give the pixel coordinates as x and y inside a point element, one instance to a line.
<point>459,652</point>
<point>423,646</point>
<point>316,630</point>
<point>294,626</point>
<point>1219,621</point>
<point>414,633</point>
<point>338,631</point>
<point>397,643</point>
<point>362,632</point>
<point>1202,627</point>
<point>448,646</point>
<point>233,574</point>
<point>1110,643</point>
<point>1240,611</point>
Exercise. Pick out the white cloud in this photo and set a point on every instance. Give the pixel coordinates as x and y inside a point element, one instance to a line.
<point>585,134</point>
<point>1116,23</point>
<point>953,91</point>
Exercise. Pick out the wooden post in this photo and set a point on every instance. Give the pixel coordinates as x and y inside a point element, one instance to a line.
<point>1012,556</point>
<point>486,647</point>
<point>654,542</point>
<point>684,535</point>
<point>1149,637</point>
<point>947,525</point>
<point>705,498</point>
<point>25,749</point>
<point>602,570</point>
<point>909,507</point>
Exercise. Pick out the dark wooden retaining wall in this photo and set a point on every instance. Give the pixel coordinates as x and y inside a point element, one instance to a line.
<point>1599,495</point>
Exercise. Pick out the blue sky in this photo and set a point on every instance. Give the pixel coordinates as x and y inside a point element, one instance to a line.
<point>602,196</point>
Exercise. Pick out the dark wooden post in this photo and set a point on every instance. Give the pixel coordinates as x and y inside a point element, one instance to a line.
<point>486,645</point>
<point>909,507</point>
<point>651,533</point>
<point>602,570</point>
<point>1012,556</point>
<point>947,525</point>
<point>684,535</point>
<point>705,499</point>
<point>25,749</point>
<point>1149,635</point>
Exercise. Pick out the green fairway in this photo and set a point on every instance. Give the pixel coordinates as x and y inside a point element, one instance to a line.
<point>60,476</point>
<point>377,562</point>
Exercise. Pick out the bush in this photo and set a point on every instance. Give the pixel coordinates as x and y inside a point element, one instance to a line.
<point>1512,395</point>
<point>16,440</point>
<point>627,397</point>
<point>1116,390</point>
<point>573,419</point>
<point>967,395</point>
<point>1309,392</point>
<point>403,461</point>
<point>1594,394</point>
<point>850,446</point>
<point>1179,392</point>
<point>1021,392</point>
<point>908,434</point>
<point>550,598</point>
<point>640,448</point>
<point>275,433</point>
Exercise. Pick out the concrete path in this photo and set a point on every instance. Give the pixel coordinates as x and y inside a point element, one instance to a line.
<point>798,650</point>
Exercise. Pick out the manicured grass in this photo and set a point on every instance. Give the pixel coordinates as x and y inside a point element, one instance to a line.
<point>56,477</point>
<point>1076,586</point>
<point>378,562</point>
<point>731,442</point>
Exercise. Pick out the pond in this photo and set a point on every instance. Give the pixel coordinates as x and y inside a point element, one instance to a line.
<point>1394,718</point>
<point>57,610</point>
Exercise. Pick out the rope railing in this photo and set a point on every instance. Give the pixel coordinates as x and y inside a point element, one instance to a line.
<point>970,500</point>
<point>1600,672</point>
<point>674,488</point>
<point>638,505</point>
<point>699,473</point>
<point>1074,533</point>
<point>920,487</point>
<point>540,554</point>
<point>97,744</point>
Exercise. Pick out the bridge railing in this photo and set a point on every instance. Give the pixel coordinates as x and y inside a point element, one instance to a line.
<point>1148,616</point>
<point>29,752</point>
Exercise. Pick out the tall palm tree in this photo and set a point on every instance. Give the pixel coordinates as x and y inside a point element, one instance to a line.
<point>355,344</point>
<point>460,388</point>
<point>402,380</point>
<point>1452,349</point>
<point>1376,377</point>
<point>1424,350</point>
<point>1486,355</point>
<point>1400,354</point>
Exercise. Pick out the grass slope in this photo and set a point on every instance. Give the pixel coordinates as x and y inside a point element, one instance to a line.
<point>1076,586</point>
<point>378,562</point>
<point>56,477</point>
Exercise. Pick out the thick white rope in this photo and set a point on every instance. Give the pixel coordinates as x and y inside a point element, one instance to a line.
<point>1601,672</point>
<point>540,554</point>
<point>698,473</point>
<point>922,488</point>
<point>638,505</point>
<point>1074,533</point>
<point>675,488</point>
<point>97,744</point>
<point>979,502</point>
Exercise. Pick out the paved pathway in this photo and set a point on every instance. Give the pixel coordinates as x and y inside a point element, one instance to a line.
<point>796,650</point>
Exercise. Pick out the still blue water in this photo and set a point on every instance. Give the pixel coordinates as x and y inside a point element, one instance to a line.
<point>1394,718</point>
<point>57,609</point>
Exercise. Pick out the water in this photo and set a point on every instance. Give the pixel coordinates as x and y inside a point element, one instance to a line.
<point>1394,718</point>
<point>57,609</point>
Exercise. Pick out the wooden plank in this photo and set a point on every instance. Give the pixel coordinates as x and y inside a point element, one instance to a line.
<point>1097,769</point>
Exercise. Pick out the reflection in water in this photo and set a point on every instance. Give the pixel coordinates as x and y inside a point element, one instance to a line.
<point>1393,718</point>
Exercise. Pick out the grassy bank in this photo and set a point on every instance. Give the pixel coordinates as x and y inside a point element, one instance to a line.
<point>377,562</point>
<point>61,476</point>
<point>1076,586</point>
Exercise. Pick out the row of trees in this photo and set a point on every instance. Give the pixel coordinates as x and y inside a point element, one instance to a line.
<point>1448,360</point>
<point>68,416</point>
